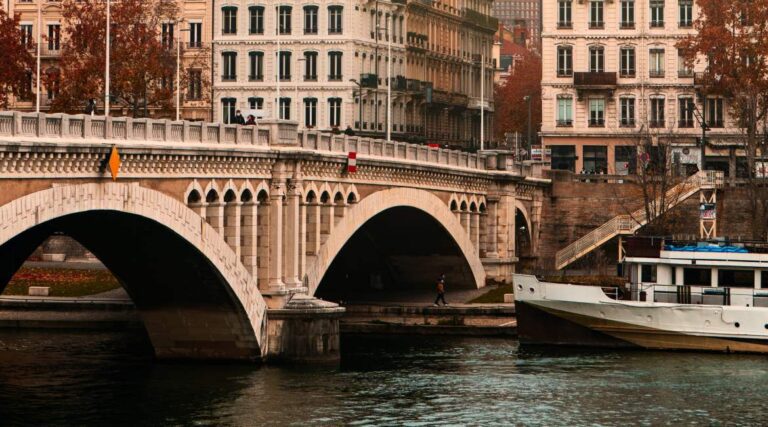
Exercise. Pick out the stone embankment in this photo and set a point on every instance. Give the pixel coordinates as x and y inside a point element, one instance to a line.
<point>459,319</point>
<point>68,313</point>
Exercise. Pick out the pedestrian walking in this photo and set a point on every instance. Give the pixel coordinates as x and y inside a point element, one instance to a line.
<point>440,290</point>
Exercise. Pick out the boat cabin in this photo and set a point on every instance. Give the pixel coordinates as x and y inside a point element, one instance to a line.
<point>716,273</point>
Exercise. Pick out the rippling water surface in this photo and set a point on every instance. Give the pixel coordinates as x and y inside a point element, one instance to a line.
<point>59,378</point>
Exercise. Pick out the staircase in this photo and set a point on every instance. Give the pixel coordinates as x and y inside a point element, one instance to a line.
<point>627,224</point>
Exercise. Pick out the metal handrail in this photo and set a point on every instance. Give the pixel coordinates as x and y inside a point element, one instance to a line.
<point>627,224</point>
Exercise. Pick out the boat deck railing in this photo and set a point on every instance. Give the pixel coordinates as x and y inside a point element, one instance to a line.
<point>702,295</point>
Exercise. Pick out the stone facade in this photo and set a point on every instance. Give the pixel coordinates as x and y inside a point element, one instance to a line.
<point>430,51</point>
<point>612,72</point>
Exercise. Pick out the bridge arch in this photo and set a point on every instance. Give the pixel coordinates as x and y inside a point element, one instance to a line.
<point>201,304</point>
<point>367,208</point>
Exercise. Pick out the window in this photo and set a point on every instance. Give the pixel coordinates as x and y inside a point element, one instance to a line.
<point>195,92</point>
<point>284,60</point>
<point>284,19</point>
<point>229,66</point>
<point>255,103</point>
<point>625,159</point>
<point>563,157</point>
<point>596,59</point>
<point>565,111</point>
<point>657,113</point>
<point>595,158</point>
<point>564,14</point>
<point>656,63</point>
<point>334,66</point>
<point>310,19</point>
<point>597,112</point>
<point>195,35</point>
<point>686,112</point>
<point>52,83</point>
<point>627,66</point>
<point>627,106</point>
<point>686,13</point>
<point>229,20</point>
<point>310,66</point>
<point>683,70</point>
<point>256,66</point>
<point>166,36</point>
<point>596,14</point>
<point>628,14</point>
<point>285,108</point>
<point>564,61</point>
<point>54,37</point>
<point>256,20</point>
<point>334,19</point>
<point>310,112</point>
<point>334,113</point>
<point>714,112</point>
<point>228,107</point>
<point>26,34</point>
<point>657,13</point>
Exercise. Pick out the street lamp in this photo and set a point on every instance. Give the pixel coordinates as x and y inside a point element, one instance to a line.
<point>389,78</point>
<point>298,104</point>
<point>39,41</point>
<point>360,104</point>
<point>178,73</point>
<point>106,67</point>
<point>527,99</point>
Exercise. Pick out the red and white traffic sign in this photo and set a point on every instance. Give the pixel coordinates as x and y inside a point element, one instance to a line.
<point>352,162</point>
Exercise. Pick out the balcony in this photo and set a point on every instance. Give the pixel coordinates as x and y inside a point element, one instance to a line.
<point>399,83</point>
<point>656,74</point>
<point>687,123</point>
<point>656,123</point>
<point>565,25</point>
<point>594,82</point>
<point>413,85</point>
<point>627,25</point>
<point>627,123</point>
<point>566,123</point>
<point>369,81</point>
<point>684,74</point>
<point>481,20</point>
<point>596,123</point>
<point>596,25</point>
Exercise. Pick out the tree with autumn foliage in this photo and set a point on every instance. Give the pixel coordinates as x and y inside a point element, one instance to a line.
<point>142,64</point>
<point>16,62</point>
<point>732,40</point>
<point>511,113</point>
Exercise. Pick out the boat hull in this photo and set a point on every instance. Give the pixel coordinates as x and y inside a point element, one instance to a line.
<point>557,314</point>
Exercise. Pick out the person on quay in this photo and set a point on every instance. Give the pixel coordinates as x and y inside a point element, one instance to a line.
<point>441,290</point>
<point>239,119</point>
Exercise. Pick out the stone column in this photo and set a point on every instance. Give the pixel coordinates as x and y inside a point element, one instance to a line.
<point>493,236</point>
<point>758,279</point>
<point>326,221</point>
<point>199,208</point>
<point>214,214</point>
<point>313,228</point>
<point>505,226</point>
<point>291,236</point>
<point>232,225</point>
<point>302,241</point>
<point>467,223</point>
<point>483,234</point>
<point>714,279</point>
<point>276,196</point>
<point>679,276</point>
<point>249,238</point>
<point>475,226</point>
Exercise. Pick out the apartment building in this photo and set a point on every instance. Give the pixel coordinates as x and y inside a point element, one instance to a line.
<point>193,30</point>
<point>612,72</point>
<point>327,67</point>
<point>521,14</point>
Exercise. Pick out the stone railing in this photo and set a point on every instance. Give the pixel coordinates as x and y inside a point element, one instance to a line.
<point>267,134</point>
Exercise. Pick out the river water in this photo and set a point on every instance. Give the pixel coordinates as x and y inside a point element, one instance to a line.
<point>61,378</point>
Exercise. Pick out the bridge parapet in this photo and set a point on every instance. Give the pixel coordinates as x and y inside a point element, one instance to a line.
<point>268,134</point>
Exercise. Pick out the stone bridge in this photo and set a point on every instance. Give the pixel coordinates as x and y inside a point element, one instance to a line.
<point>207,226</point>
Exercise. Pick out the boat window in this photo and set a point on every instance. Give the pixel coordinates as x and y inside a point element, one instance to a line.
<point>764,279</point>
<point>697,276</point>
<point>648,274</point>
<point>736,278</point>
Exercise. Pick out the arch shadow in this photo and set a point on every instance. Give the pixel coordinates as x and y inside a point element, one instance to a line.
<point>196,300</point>
<point>421,210</point>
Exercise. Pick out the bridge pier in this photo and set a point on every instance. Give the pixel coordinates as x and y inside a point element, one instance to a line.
<point>305,330</point>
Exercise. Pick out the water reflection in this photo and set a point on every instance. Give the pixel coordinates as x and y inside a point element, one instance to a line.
<point>109,378</point>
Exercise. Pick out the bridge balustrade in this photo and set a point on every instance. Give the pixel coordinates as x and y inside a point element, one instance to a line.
<point>266,134</point>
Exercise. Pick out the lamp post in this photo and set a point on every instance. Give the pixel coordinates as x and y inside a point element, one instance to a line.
<point>360,104</point>
<point>106,67</point>
<point>178,73</point>
<point>39,41</point>
<point>298,104</point>
<point>527,99</point>
<point>389,78</point>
